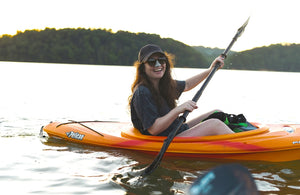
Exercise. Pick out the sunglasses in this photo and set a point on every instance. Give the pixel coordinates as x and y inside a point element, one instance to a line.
<point>152,61</point>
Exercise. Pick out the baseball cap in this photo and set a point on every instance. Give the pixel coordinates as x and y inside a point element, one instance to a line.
<point>147,51</point>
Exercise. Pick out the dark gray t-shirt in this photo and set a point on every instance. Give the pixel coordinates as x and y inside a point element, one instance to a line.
<point>144,110</point>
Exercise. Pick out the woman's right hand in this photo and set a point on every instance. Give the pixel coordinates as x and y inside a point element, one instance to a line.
<point>165,121</point>
<point>188,105</point>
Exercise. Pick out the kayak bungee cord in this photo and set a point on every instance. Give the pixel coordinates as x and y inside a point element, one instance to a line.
<point>182,118</point>
<point>95,121</point>
<point>80,123</point>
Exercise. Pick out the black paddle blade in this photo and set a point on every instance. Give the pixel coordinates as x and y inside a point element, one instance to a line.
<point>154,164</point>
<point>242,28</point>
<point>164,148</point>
<point>236,36</point>
<point>225,179</point>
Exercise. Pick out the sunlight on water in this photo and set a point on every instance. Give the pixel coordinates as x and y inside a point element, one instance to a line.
<point>33,94</point>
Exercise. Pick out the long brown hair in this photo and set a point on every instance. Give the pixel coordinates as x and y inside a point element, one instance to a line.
<point>167,85</point>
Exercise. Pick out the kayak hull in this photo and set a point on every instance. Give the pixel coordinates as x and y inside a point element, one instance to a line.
<point>274,142</point>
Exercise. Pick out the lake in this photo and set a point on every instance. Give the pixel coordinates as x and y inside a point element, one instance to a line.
<point>33,94</point>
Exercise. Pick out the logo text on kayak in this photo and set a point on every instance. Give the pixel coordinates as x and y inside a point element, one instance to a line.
<point>75,135</point>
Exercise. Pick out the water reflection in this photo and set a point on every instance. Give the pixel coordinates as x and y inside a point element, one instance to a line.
<point>80,93</point>
<point>122,169</point>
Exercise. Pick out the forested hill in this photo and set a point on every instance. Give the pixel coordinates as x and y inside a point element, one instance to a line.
<point>86,46</point>
<point>100,46</point>
<point>276,57</point>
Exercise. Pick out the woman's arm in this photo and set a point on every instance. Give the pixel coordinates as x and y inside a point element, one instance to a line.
<point>195,80</point>
<point>162,123</point>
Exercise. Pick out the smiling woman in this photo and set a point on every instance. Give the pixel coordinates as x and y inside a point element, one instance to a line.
<point>154,94</point>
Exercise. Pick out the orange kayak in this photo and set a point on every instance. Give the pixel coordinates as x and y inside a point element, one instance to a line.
<point>273,142</point>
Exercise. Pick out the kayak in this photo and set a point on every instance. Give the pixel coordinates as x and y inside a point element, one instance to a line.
<point>272,142</point>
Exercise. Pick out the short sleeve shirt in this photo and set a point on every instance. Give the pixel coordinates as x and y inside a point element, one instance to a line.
<point>144,110</point>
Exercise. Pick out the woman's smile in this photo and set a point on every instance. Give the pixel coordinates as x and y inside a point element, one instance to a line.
<point>158,69</point>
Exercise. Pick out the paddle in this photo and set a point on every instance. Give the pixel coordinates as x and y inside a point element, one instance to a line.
<point>225,179</point>
<point>182,118</point>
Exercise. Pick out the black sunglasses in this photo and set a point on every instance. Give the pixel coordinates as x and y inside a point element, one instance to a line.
<point>152,61</point>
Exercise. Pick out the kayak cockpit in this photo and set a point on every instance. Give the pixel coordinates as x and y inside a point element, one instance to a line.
<point>133,133</point>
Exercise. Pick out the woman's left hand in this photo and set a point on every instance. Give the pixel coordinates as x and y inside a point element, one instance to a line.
<point>220,60</point>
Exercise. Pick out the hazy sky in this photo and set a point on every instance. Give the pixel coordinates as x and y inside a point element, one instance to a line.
<point>210,23</point>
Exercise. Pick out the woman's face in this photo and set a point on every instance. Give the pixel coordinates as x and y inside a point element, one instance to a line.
<point>155,66</point>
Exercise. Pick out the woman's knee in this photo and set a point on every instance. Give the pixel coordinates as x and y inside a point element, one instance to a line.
<point>219,126</point>
<point>215,121</point>
<point>208,127</point>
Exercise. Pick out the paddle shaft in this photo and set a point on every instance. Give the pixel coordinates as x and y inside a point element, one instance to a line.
<point>183,117</point>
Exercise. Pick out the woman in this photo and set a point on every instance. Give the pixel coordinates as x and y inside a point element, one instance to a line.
<point>154,94</point>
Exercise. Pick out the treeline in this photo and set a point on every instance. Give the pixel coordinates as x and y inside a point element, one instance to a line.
<point>275,57</point>
<point>103,47</point>
<point>90,46</point>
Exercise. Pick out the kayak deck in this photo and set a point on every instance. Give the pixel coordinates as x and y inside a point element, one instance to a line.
<point>274,142</point>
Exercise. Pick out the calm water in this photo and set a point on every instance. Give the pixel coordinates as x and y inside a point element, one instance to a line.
<point>34,94</point>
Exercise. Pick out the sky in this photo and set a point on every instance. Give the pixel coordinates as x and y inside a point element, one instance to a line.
<point>209,23</point>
